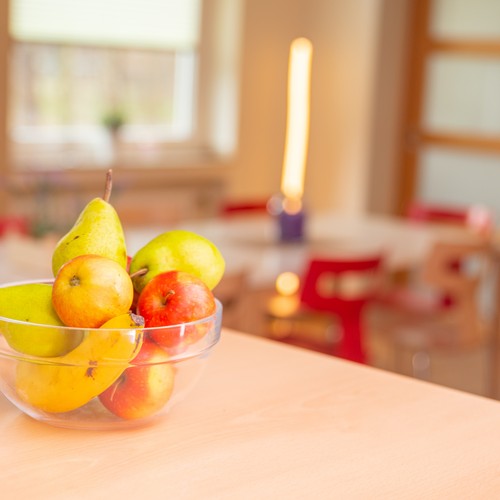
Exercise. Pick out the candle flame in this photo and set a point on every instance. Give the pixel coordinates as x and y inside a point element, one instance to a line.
<point>297,128</point>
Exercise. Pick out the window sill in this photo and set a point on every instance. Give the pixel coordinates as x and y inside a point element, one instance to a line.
<point>134,168</point>
<point>63,157</point>
<point>160,192</point>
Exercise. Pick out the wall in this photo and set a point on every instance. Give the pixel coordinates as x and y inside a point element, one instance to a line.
<point>346,68</point>
<point>388,99</point>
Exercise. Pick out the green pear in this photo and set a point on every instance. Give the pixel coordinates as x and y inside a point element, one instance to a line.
<point>98,231</point>
<point>32,303</point>
<point>177,250</point>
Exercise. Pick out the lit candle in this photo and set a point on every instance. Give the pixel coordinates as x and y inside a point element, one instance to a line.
<point>291,218</point>
<point>297,127</point>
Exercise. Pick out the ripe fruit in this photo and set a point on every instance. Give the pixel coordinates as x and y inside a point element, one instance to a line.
<point>71,381</point>
<point>92,295</point>
<point>141,390</point>
<point>90,289</point>
<point>174,298</point>
<point>32,302</point>
<point>181,251</point>
<point>97,231</point>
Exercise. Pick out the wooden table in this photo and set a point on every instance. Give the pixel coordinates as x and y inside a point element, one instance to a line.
<point>271,421</point>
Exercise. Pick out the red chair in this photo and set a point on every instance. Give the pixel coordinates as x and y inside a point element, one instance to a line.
<point>343,288</point>
<point>244,207</point>
<point>476,217</point>
<point>11,224</point>
<point>437,213</point>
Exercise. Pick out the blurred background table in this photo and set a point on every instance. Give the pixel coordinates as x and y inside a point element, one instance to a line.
<point>252,241</point>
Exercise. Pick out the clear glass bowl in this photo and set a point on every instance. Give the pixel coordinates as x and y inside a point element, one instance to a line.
<point>103,378</point>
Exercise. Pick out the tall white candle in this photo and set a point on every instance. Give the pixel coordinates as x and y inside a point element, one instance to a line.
<point>297,127</point>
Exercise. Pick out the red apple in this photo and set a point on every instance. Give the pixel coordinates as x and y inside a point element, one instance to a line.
<point>141,390</point>
<point>175,298</point>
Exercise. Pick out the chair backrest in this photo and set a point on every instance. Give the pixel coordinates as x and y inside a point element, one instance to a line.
<point>10,224</point>
<point>461,284</point>
<point>419,211</point>
<point>336,284</point>
<point>343,287</point>
<point>244,207</point>
<point>478,218</point>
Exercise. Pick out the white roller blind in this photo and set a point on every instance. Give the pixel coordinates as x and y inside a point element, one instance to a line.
<point>162,24</point>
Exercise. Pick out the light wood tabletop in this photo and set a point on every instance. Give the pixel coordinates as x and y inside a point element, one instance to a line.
<point>270,421</point>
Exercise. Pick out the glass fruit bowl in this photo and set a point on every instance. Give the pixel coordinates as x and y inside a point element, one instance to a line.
<point>102,378</point>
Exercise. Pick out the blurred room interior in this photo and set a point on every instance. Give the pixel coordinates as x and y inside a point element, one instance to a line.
<point>191,115</point>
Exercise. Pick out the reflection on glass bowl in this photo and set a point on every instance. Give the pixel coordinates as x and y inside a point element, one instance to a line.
<point>107,378</point>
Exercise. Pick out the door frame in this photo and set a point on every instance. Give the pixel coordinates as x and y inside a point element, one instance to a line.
<point>422,46</point>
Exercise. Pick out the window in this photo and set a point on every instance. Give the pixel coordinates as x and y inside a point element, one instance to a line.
<point>93,82</point>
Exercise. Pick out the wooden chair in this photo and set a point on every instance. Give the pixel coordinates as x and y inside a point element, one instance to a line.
<point>340,289</point>
<point>408,292</point>
<point>459,326</point>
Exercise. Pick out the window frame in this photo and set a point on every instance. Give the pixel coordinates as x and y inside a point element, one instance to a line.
<point>203,152</point>
<point>4,45</point>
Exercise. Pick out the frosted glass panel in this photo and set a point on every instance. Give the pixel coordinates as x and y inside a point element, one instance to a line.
<point>462,94</point>
<point>162,24</point>
<point>459,177</point>
<point>472,19</point>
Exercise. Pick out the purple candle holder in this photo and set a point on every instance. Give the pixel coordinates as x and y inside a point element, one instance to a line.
<point>291,226</point>
<point>291,221</point>
<point>290,217</point>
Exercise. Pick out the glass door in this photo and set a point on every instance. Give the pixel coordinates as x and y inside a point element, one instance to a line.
<point>451,151</point>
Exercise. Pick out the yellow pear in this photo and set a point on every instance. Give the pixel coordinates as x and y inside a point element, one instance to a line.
<point>32,303</point>
<point>71,381</point>
<point>97,231</point>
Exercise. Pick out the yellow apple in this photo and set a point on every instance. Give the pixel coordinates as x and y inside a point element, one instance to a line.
<point>91,289</point>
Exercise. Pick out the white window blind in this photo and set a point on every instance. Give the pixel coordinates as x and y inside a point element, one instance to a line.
<point>154,24</point>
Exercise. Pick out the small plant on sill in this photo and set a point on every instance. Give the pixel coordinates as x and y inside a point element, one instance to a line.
<point>113,120</point>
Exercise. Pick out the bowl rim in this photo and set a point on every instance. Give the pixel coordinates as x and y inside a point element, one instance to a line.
<point>216,318</point>
<point>80,328</point>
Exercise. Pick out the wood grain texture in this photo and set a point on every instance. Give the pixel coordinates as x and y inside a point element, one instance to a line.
<point>271,421</point>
